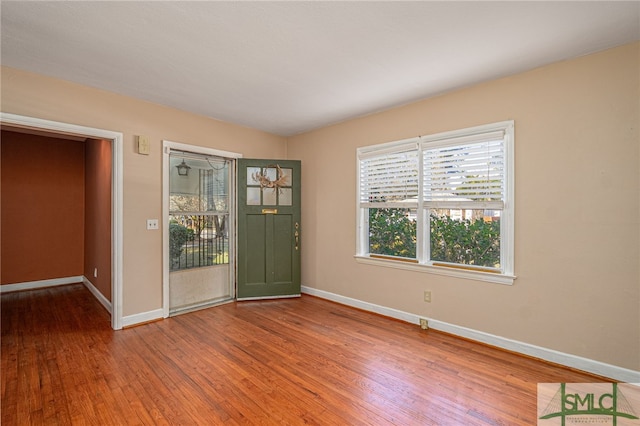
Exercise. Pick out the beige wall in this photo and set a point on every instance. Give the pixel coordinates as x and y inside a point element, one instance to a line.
<point>52,99</point>
<point>577,209</point>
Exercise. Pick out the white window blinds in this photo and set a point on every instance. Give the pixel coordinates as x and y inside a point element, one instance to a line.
<point>462,169</point>
<point>390,177</point>
<point>465,171</point>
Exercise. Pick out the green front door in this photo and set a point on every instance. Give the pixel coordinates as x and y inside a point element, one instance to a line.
<point>269,229</point>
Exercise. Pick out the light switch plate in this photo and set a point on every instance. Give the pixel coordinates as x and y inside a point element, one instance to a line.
<point>144,147</point>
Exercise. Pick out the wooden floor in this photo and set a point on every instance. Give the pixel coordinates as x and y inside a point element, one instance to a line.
<point>297,361</point>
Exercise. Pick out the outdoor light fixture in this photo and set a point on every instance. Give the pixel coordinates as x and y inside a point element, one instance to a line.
<point>183,169</point>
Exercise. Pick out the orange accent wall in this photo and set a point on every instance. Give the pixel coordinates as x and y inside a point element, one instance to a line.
<point>97,235</point>
<point>42,207</point>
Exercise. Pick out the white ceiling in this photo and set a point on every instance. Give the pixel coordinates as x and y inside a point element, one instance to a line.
<point>289,67</point>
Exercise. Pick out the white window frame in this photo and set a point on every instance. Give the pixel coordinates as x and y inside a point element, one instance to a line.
<point>423,264</point>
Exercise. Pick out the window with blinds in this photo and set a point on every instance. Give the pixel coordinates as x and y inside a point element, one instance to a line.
<point>465,171</point>
<point>389,178</point>
<point>442,200</point>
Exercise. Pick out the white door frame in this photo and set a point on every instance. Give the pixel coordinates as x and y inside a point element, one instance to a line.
<point>167,146</point>
<point>21,121</point>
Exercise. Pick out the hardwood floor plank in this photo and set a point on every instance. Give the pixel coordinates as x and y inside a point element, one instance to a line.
<point>286,362</point>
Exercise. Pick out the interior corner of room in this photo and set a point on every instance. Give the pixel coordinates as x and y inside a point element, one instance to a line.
<point>573,297</point>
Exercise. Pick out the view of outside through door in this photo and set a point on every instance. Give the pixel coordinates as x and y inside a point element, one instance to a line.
<point>199,223</point>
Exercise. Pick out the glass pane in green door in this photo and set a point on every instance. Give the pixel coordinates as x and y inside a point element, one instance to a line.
<point>253,196</point>
<point>252,175</point>
<point>269,196</point>
<point>285,197</point>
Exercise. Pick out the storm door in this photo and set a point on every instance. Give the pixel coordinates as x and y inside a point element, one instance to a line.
<point>269,229</point>
<point>200,274</point>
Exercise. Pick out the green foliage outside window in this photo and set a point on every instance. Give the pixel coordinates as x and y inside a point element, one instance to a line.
<point>178,235</point>
<point>465,241</point>
<point>476,242</point>
<point>392,232</point>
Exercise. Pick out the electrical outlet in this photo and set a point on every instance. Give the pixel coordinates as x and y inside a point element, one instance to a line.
<point>424,324</point>
<point>427,296</point>
<point>152,223</point>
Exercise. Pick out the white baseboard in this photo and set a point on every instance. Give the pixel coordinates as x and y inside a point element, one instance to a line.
<point>573,361</point>
<point>126,321</point>
<point>96,293</point>
<point>32,285</point>
<point>142,317</point>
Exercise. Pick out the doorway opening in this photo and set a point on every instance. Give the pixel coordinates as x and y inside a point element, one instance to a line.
<point>199,218</point>
<point>113,303</point>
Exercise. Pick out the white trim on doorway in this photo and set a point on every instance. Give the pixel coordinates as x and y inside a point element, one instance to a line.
<point>57,127</point>
<point>167,146</point>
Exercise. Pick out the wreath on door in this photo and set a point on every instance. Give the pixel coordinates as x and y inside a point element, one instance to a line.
<point>265,182</point>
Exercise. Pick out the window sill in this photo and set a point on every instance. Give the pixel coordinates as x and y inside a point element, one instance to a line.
<point>438,270</point>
